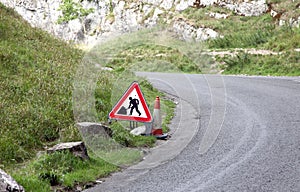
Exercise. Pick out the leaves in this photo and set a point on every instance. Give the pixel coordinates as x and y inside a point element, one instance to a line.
<point>72,10</point>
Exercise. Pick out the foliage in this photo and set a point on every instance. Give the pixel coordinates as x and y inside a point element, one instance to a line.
<point>244,32</point>
<point>45,171</point>
<point>37,74</point>
<point>104,105</point>
<point>72,9</point>
<point>286,63</point>
<point>288,8</point>
<point>154,58</point>
<point>123,137</point>
<point>36,83</point>
<point>261,32</point>
<point>285,39</point>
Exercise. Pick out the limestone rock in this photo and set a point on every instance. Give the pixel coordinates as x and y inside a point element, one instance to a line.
<point>90,128</point>
<point>167,4</point>
<point>218,15</point>
<point>7,183</point>
<point>245,8</point>
<point>190,32</point>
<point>183,4</point>
<point>208,2</point>
<point>78,149</point>
<point>120,16</point>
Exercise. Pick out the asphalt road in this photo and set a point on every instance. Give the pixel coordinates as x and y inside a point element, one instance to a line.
<point>230,133</point>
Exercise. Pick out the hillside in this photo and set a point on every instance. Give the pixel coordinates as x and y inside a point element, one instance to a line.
<point>103,18</point>
<point>36,86</point>
<point>36,101</point>
<point>37,70</point>
<point>37,73</point>
<point>239,26</point>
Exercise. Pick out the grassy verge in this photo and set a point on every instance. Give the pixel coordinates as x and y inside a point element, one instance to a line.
<point>284,64</point>
<point>261,32</point>
<point>154,58</point>
<point>36,87</point>
<point>36,81</point>
<point>45,173</point>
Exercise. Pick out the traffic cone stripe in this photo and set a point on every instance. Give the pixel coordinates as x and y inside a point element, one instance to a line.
<point>157,103</point>
<point>157,128</point>
<point>157,132</point>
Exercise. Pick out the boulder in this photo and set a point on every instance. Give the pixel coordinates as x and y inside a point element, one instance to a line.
<point>90,128</point>
<point>78,149</point>
<point>7,183</point>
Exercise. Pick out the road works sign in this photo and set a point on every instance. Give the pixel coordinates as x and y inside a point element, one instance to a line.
<point>132,106</point>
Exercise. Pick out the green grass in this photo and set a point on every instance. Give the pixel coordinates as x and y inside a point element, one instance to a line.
<point>45,173</point>
<point>38,72</point>
<point>246,32</point>
<point>120,128</point>
<point>154,58</point>
<point>287,7</point>
<point>36,87</point>
<point>284,64</point>
<point>285,39</point>
<point>261,32</point>
<point>238,31</point>
<point>37,81</point>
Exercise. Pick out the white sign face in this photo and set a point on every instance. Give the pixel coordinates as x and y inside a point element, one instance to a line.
<point>132,106</point>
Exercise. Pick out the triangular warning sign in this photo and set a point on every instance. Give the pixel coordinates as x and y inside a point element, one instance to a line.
<point>132,106</point>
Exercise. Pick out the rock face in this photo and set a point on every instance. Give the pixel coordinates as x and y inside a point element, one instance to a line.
<point>7,183</point>
<point>76,148</point>
<point>247,8</point>
<point>191,32</point>
<point>117,16</point>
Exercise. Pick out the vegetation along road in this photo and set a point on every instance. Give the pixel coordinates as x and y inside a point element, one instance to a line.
<point>254,123</point>
<point>230,133</point>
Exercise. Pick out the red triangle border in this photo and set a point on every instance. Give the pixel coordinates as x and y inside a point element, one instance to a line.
<point>113,114</point>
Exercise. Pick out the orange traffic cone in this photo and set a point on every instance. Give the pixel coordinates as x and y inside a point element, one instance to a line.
<point>157,128</point>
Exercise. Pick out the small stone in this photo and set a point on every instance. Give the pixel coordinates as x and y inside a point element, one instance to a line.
<point>7,183</point>
<point>138,131</point>
<point>79,188</point>
<point>99,181</point>
<point>78,149</point>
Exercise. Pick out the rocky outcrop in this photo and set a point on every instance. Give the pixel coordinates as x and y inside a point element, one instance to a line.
<point>7,183</point>
<point>78,149</point>
<point>117,16</point>
<point>246,8</point>
<point>190,32</point>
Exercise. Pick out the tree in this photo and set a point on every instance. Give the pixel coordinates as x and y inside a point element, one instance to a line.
<point>73,10</point>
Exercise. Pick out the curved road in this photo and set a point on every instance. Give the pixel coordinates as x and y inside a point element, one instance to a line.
<point>230,133</point>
